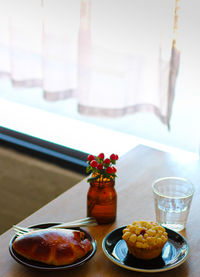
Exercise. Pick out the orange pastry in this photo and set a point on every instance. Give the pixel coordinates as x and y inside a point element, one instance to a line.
<point>53,246</point>
<point>145,240</point>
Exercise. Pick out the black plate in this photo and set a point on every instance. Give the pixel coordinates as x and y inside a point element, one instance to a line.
<point>174,253</point>
<point>41,266</point>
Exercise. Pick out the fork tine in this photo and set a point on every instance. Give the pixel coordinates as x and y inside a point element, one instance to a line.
<point>19,228</point>
<point>19,233</point>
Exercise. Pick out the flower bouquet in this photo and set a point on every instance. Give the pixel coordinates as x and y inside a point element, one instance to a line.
<point>101,167</point>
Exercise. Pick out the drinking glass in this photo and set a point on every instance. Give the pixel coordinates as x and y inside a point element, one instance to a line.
<point>172,198</point>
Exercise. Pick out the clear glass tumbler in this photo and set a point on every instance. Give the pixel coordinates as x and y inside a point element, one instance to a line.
<point>172,198</point>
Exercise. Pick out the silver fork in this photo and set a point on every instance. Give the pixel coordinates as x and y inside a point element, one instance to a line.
<point>88,221</point>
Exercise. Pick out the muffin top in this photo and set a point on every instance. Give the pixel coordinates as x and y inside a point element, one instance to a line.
<point>144,234</point>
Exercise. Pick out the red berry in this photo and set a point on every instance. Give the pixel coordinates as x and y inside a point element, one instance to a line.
<point>93,163</point>
<point>116,157</point>
<point>109,170</point>
<point>142,232</point>
<point>113,157</point>
<point>114,169</point>
<point>101,156</point>
<point>91,158</point>
<point>106,161</point>
<point>99,166</point>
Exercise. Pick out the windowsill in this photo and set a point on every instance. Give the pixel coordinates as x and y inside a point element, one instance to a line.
<point>72,133</point>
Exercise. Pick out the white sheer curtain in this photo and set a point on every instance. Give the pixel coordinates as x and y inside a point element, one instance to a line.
<point>115,56</point>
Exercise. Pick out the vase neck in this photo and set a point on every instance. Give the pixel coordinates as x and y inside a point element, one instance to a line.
<point>103,182</point>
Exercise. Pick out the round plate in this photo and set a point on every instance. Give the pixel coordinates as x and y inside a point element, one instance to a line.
<point>41,266</point>
<point>174,253</point>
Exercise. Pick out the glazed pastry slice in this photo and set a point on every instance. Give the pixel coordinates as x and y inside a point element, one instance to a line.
<point>53,246</point>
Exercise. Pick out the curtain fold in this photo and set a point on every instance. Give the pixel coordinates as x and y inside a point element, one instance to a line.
<point>116,57</point>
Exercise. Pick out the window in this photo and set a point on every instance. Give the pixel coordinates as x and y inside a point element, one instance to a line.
<point>24,109</point>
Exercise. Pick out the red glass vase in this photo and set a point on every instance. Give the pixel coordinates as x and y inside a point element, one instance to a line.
<point>102,200</point>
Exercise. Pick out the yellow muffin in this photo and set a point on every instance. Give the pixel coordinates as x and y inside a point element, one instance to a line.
<point>145,240</point>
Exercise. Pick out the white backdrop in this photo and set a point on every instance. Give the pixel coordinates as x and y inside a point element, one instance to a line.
<point>114,56</point>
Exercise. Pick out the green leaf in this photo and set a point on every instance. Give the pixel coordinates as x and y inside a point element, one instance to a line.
<point>92,178</point>
<point>88,169</point>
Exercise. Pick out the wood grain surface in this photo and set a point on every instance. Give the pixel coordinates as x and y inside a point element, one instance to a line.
<point>136,171</point>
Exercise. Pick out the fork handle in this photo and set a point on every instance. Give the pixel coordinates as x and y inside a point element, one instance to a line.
<point>73,225</point>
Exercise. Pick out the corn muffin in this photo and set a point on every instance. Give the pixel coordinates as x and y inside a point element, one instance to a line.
<point>145,240</point>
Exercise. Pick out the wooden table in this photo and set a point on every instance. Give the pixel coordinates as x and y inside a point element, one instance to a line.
<point>136,172</point>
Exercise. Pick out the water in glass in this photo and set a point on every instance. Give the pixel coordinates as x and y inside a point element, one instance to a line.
<point>172,213</point>
<point>172,197</point>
